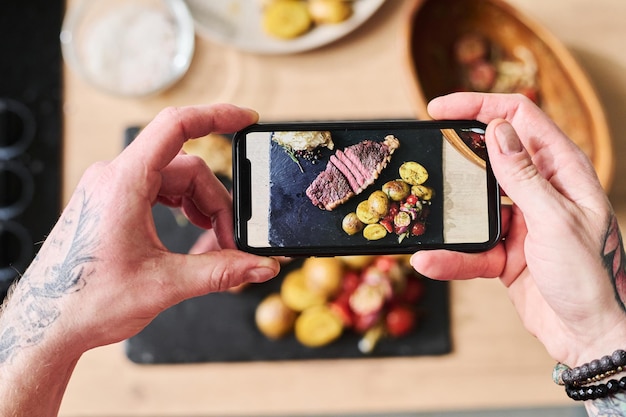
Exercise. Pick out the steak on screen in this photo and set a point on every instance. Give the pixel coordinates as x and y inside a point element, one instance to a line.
<point>351,171</point>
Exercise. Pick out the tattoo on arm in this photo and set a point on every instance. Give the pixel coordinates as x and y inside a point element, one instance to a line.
<point>611,406</point>
<point>614,257</point>
<point>37,299</point>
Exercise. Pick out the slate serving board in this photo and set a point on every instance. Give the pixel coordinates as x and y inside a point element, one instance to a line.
<point>291,211</point>
<point>220,327</point>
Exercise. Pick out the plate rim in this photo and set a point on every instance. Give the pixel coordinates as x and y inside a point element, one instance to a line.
<point>316,38</point>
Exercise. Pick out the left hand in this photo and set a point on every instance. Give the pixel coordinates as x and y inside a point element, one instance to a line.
<point>103,274</point>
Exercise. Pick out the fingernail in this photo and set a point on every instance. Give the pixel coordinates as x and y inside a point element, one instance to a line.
<point>507,139</point>
<point>250,110</point>
<point>266,269</point>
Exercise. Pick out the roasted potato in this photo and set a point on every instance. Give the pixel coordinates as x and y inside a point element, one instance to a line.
<point>364,213</point>
<point>296,294</point>
<point>423,192</point>
<point>323,275</point>
<point>286,19</point>
<point>273,318</point>
<point>318,326</point>
<point>413,173</point>
<point>330,11</point>
<point>374,231</point>
<point>351,224</point>
<point>397,190</point>
<point>378,203</point>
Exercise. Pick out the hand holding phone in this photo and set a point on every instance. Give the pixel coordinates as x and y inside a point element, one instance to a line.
<point>339,188</point>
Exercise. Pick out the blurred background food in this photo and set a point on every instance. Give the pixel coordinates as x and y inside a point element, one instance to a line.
<point>491,46</point>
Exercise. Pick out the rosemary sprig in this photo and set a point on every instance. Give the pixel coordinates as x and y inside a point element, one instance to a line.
<point>293,157</point>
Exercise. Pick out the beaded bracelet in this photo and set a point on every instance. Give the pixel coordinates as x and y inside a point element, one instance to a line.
<point>593,371</point>
<point>593,392</point>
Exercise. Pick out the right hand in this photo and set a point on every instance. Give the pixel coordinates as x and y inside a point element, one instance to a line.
<point>561,256</point>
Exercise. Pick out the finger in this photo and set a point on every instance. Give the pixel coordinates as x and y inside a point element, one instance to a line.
<point>162,139</point>
<point>541,137</point>
<point>188,183</point>
<point>196,275</point>
<point>449,265</point>
<point>529,182</point>
<point>531,123</point>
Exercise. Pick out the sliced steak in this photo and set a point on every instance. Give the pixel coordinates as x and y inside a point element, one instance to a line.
<point>350,172</point>
<point>330,189</point>
<point>343,168</point>
<point>358,175</point>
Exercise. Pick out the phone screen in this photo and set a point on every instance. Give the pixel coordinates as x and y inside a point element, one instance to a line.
<point>364,187</point>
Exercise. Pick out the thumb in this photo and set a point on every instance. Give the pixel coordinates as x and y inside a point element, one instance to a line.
<point>215,271</point>
<point>515,171</point>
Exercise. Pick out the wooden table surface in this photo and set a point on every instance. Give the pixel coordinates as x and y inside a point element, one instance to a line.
<point>494,362</point>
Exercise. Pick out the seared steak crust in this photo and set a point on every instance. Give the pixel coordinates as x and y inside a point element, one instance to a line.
<point>351,171</point>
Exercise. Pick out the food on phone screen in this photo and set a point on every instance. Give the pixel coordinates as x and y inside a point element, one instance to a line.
<point>303,144</point>
<point>396,190</point>
<point>304,140</point>
<point>422,192</point>
<point>413,173</point>
<point>351,224</point>
<point>374,231</point>
<point>273,318</point>
<point>350,171</point>
<point>378,203</point>
<point>400,207</point>
<point>475,141</point>
<point>374,296</point>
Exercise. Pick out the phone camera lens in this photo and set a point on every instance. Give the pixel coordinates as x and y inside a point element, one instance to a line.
<point>16,189</point>
<point>16,249</point>
<point>17,128</point>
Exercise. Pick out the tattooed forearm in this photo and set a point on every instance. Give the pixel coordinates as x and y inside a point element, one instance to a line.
<point>612,406</point>
<point>613,255</point>
<point>34,298</point>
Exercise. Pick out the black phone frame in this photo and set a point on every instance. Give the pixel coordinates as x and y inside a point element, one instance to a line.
<point>242,190</point>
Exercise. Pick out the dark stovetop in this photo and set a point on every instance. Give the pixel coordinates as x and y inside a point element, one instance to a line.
<point>30,129</point>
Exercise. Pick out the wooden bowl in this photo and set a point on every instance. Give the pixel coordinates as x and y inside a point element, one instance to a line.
<point>432,30</point>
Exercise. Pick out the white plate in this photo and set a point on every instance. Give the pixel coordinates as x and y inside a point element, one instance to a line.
<point>238,23</point>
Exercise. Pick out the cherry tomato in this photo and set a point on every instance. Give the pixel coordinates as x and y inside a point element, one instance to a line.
<point>351,281</point>
<point>394,208</point>
<point>364,322</point>
<point>385,263</point>
<point>418,229</point>
<point>399,321</point>
<point>341,307</point>
<point>412,199</point>
<point>387,223</point>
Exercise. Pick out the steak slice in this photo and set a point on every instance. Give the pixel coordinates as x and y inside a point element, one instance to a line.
<point>329,189</point>
<point>350,172</point>
<point>358,175</point>
<point>345,170</point>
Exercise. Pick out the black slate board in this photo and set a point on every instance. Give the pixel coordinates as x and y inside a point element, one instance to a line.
<point>220,327</point>
<point>291,210</point>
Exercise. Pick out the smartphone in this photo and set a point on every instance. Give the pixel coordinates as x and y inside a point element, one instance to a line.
<point>363,187</point>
